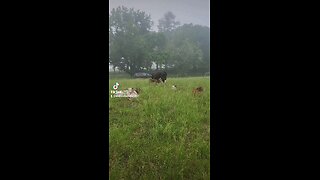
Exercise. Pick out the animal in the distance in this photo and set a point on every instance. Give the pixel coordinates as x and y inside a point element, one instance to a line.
<point>174,87</point>
<point>159,75</point>
<point>197,90</point>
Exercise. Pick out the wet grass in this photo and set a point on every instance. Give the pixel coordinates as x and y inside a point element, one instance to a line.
<point>162,134</point>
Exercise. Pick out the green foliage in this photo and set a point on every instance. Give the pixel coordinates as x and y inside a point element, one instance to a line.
<point>134,47</point>
<point>127,29</point>
<point>168,23</point>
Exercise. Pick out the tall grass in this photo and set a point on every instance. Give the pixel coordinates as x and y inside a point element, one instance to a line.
<point>162,134</point>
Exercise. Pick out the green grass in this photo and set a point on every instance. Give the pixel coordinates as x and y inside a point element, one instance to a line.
<point>162,134</point>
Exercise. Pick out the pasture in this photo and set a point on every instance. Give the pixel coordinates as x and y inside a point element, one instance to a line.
<point>162,134</point>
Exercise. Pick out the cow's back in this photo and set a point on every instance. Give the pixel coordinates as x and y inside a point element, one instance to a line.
<point>159,75</point>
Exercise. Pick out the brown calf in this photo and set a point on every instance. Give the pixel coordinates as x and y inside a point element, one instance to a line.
<point>197,90</point>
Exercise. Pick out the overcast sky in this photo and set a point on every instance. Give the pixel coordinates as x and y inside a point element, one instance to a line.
<point>186,11</point>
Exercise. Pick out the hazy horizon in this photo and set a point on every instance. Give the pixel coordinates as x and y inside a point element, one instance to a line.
<point>186,11</point>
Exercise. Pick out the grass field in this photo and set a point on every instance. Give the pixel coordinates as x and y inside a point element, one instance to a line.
<point>162,134</point>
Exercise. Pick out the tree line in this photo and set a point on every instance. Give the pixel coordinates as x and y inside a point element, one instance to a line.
<point>179,49</point>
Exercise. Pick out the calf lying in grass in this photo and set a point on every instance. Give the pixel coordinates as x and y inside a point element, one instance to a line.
<point>129,93</point>
<point>197,90</point>
<point>133,93</point>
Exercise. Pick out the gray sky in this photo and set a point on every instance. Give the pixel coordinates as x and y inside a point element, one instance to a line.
<point>186,11</point>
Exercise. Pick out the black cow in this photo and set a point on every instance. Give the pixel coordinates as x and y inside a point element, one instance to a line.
<point>159,75</point>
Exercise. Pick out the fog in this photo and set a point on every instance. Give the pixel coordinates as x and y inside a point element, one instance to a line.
<point>186,11</point>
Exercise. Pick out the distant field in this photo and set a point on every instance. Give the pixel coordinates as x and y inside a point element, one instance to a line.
<point>162,134</point>
<point>123,75</point>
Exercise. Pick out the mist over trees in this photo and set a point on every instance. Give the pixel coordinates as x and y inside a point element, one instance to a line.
<point>179,49</point>
<point>168,23</point>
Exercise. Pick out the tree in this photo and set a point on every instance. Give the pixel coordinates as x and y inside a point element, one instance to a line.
<point>197,39</point>
<point>186,57</point>
<point>168,23</point>
<point>156,48</point>
<point>133,47</point>
<point>127,29</point>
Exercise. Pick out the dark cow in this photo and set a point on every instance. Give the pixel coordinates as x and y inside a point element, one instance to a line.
<point>159,75</point>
